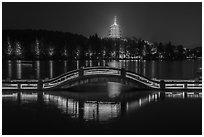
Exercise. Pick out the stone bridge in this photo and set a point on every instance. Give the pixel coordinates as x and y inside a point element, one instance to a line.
<point>101,74</point>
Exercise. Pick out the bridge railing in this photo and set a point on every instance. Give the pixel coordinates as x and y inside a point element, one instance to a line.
<point>76,73</point>
<point>183,85</point>
<point>143,80</point>
<point>55,82</point>
<point>19,84</point>
<point>62,75</point>
<point>104,71</point>
<point>9,86</point>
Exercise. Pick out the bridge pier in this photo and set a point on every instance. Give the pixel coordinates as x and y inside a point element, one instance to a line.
<point>40,84</point>
<point>123,75</point>
<point>81,72</point>
<point>81,110</point>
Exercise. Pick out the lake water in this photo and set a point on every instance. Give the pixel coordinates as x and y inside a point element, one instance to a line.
<point>106,108</point>
<point>101,108</point>
<point>153,69</point>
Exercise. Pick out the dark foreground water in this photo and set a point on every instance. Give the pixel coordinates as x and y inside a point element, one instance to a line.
<point>105,108</point>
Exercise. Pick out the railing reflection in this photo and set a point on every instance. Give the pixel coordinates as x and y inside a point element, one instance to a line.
<point>92,110</point>
<point>66,105</point>
<point>10,96</point>
<point>21,97</point>
<point>136,104</point>
<point>28,97</point>
<point>97,110</point>
<point>101,111</point>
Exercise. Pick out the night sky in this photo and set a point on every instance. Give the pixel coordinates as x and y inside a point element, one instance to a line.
<point>180,23</point>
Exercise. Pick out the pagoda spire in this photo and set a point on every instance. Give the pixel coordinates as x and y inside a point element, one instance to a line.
<point>115,30</point>
<point>115,20</point>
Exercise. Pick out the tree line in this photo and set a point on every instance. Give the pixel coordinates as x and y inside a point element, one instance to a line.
<point>44,44</point>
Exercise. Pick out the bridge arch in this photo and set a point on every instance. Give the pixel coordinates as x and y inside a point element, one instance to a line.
<point>87,75</point>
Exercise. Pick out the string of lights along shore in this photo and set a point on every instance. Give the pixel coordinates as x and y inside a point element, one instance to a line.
<point>115,31</point>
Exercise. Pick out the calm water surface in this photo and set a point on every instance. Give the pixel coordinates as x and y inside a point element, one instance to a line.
<point>153,69</point>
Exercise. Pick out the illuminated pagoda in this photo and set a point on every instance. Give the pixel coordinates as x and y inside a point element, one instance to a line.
<point>115,30</point>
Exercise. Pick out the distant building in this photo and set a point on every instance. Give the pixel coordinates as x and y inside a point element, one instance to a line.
<point>115,31</point>
<point>119,41</point>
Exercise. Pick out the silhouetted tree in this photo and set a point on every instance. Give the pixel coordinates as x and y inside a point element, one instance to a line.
<point>8,48</point>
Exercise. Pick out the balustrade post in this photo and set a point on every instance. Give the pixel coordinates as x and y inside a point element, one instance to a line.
<point>123,74</point>
<point>162,84</point>
<point>81,72</point>
<point>185,85</point>
<point>19,85</point>
<point>40,84</point>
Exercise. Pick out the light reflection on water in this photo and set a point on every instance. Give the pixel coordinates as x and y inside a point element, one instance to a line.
<point>10,96</point>
<point>37,69</point>
<point>9,69</point>
<point>51,68</point>
<point>28,98</point>
<point>153,69</point>
<point>91,110</point>
<point>19,70</point>
<point>114,89</point>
